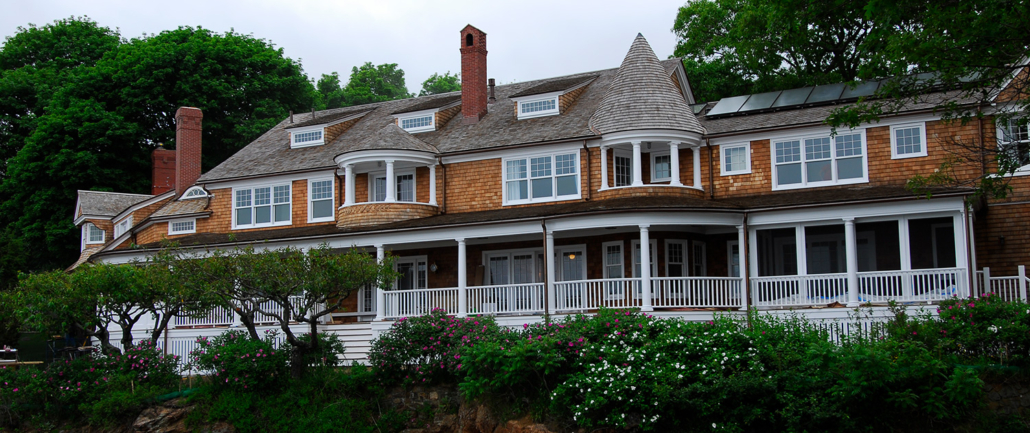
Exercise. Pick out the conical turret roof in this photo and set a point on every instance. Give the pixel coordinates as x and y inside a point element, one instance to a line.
<point>643,96</point>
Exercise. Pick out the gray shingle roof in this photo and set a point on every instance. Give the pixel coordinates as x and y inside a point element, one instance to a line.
<point>107,204</point>
<point>642,96</point>
<point>182,207</point>
<point>329,116</point>
<point>437,101</point>
<point>553,86</point>
<point>391,137</point>
<point>271,153</point>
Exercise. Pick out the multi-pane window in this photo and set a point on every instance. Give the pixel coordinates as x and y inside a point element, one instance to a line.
<point>1014,141</point>
<point>735,159</point>
<point>541,178</point>
<point>123,226</point>
<point>321,196</point>
<point>675,258</point>
<point>182,227</point>
<point>93,234</point>
<point>537,106</point>
<point>662,167</point>
<point>261,206</point>
<point>405,189</point>
<point>698,266</point>
<point>623,170</point>
<point>306,138</point>
<point>613,260</point>
<point>908,141</point>
<point>417,122</point>
<point>819,161</point>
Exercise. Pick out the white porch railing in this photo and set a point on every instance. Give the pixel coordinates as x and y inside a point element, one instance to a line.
<point>1009,288</point>
<point>216,317</point>
<point>799,290</point>
<point>507,298</point>
<point>273,308</point>
<point>912,286</point>
<point>696,292</point>
<point>416,302</point>
<point>593,294</point>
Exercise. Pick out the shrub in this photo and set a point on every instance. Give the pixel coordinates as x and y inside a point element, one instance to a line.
<point>330,350</point>
<point>241,363</point>
<point>985,329</point>
<point>429,349</point>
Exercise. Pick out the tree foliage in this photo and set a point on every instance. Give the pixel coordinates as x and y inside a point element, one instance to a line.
<point>329,92</point>
<point>96,107</point>
<point>437,84</point>
<point>369,83</point>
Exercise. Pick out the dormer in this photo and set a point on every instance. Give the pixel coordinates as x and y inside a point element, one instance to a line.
<point>324,127</point>
<point>429,115</point>
<point>550,98</point>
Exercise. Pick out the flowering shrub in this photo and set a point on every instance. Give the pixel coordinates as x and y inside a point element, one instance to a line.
<point>430,348</point>
<point>984,328</point>
<point>238,362</point>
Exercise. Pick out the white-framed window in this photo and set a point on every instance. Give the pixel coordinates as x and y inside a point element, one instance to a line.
<point>661,167</point>
<point>736,159</point>
<point>908,140</point>
<point>1014,141</point>
<point>541,178</point>
<point>304,137</point>
<point>366,301</point>
<point>637,293</point>
<point>675,258</point>
<point>405,180</point>
<point>194,192</point>
<point>320,200</point>
<point>623,163</point>
<point>182,227</point>
<point>91,234</point>
<point>538,107</point>
<point>733,258</point>
<point>418,123</point>
<point>514,267</point>
<point>261,206</point>
<point>819,160</point>
<point>571,262</point>
<point>698,259</point>
<point>122,226</point>
<point>411,273</point>
<point>614,267</point>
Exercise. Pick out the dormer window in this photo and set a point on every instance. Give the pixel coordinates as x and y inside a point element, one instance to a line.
<point>91,234</point>
<point>419,123</point>
<point>194,192</point>
<point>123,226</point>
<point>549,98</point>
<point>537,106</point>
<point>307,137</point>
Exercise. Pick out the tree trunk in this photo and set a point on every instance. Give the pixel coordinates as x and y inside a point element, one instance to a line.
<point>248,322</point>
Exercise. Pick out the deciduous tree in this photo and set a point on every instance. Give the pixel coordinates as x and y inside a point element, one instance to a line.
<point>437,84</point>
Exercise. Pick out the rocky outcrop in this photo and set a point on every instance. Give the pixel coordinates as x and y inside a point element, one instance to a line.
<point>170,417</point>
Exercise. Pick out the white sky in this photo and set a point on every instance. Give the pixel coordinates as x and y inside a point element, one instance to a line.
<point>527,39</point>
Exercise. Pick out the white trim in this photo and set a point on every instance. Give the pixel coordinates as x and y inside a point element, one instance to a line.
<point>747,158</point>
<point>634,244</point>
<point>271,204</point>
<point>414,260</point>
<point>320,129</point>
<point>694,258</point>
<point>510,254</point>
<point>431,113</point>
<point>553,176</point>
<point>654,176</point>
<point>624,154</point>
<point>561,249</point>
<point>887,210</point>
<point>804,184</point>
<point>86,234</point>
<point>82,218</point>
<point>171,223</point>
<point>123,226</point>
<point>141,205</point>
<point>332,200</point>
<point>397,173</point>
<point>613,291</point>
<point>187,195</point>
<point>520,102</point>
<point>685,138</point>
<point>521,151</point>
<point>729,258</point>
<point>268,180</point>
<point>358,157</point>
<point>684,267</point>
<point>894,143</point>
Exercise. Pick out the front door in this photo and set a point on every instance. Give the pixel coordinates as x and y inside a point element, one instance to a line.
<point>572,266</point>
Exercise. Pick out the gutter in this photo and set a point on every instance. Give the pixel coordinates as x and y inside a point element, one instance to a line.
<point>254,176</point>
<point>517,146</point>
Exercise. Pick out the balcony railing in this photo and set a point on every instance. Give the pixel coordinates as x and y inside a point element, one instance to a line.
<point>507,299</point>
<point>592,294</point>
<point>877,287</point>
<point>696,292</point>
<point>216,317</point>
<point>799,290</point>
<point>416,302</point>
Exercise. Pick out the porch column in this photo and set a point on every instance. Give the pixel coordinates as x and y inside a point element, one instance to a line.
<point>674,157</point>
<point>432,184</point>
<point>645,269</point>
<point>349,174</point>
<point>696,151</point>
<point>961,251</point>
<point>742,265</point>
<point>604,168</point>
<point>851,253</point>
<point>463,307</point>
<point>550,264</point>
<point>638,179</point>
<point>391,183</point>
<point>906,258</point>
<point>380,293</point>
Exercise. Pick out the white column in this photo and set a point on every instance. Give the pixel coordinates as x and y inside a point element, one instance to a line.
<point>742,265</point>
<point>851,253</point>
<point>380,293</point>
<point>391,183</point>
<point>674,157</point>
<point>549,256</point>
<point>1022,282</point>
<point>696,151</point>
<point>638,179</point>
<point>961,251</point>
<point>349,174</point>
<point>906,258</point>
<point>752,248</point>
<point>432,184</point>
<point>645,269</point>
<point>463,307</point>
<point>604,168</point>
<point>802,265</point>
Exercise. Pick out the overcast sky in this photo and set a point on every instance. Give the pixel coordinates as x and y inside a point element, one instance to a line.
<point>527,39</point>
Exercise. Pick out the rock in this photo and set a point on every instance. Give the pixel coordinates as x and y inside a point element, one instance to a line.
<point>524,425</point>
<point>485,422</point>
<point>169,417</point>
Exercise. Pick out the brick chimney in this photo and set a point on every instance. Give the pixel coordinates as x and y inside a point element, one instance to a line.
<point>187,147</point>
<point>164,170</point>
<point>473,74</point>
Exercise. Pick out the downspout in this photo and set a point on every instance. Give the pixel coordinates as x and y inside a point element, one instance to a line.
<point>588,170</point>
<point>443,198</point>
<point>745,252</point>
<point>711,174</point>
<point>547,263</point>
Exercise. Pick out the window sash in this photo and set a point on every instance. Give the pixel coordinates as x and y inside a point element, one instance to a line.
<point>94,234</point>
<point>735,159</point>
<point>1014,141</point>
<point>417,122</point>
<point>541,178</point>
<point>262,206</point>
<point>909,141</point>
<point>815,161</point>
<point>538,106</point>
<point>404,189</point>
<point>623,170</point>
<point>321,197</point>
<point>662,167</point>
<point>182,227</point>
